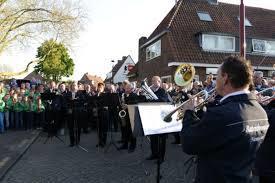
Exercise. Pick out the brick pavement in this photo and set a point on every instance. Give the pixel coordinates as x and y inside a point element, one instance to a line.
<point>56,162</point>
<point>13,145</point>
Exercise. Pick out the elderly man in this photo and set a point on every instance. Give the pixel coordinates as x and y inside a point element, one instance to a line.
<point>258,80</point>
<point>158,142</point>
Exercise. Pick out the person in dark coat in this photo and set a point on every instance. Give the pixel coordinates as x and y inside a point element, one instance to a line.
<point>129,142</point>
<point>265,159</point>
<point>158,142</point>
<point>74,99</point>
<point>226,138</point>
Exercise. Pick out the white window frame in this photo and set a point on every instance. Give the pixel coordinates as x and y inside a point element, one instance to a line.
<point>197,78</point>
<point>150,47</point>
<point>266,51</point>
<point>210,68</point>
<point>169,78</point>
<point>219,37</point>
<point>208,19</point>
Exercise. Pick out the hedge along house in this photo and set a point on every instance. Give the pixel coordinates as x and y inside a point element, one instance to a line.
<point>203,33</point>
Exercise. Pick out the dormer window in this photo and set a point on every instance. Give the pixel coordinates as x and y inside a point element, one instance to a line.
<point>247,23</point>
<point>204,16</point>
<point>218,43</point>
<point>153,51</point>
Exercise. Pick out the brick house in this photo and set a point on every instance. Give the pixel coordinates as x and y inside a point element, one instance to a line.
<point>90,79</point>
<point>203,32</point>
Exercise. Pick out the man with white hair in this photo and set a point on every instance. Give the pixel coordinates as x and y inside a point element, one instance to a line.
<point>129,141</point>
<point>158,142</point>
<point>258,80</point>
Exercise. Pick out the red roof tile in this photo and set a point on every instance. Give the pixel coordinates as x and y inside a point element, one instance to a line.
<point>184,24</point>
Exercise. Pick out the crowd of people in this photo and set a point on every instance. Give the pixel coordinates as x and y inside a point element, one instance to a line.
<point>235,119</point>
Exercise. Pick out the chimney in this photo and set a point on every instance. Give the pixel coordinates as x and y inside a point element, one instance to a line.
<point>214,2</point>
<point>124,58</point>
<point>142,41</point>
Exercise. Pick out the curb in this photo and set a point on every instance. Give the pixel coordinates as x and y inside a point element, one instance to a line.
<point>13,162</point>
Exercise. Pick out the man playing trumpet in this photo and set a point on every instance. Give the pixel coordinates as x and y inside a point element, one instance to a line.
<point>225,139</point>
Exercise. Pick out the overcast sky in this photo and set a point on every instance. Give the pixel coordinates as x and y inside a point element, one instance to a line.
<point>113,30</point>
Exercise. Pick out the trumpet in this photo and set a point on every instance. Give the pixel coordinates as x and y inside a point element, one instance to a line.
<point>207,96</point>
<point>265,90</point>
<point>264,100</point>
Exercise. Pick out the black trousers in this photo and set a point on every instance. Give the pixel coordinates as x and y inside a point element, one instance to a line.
<point>39,119</point>
<point>128,134</point>
<point>28,118</point>
<point>74,125</point>
<point>270,179</point>
<point>85,117</point>
<point>158,145</point>
<point>103,120</point>
<point>53,118</point>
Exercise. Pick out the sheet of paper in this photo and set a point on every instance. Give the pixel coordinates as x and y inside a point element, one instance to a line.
<point>152,119</point>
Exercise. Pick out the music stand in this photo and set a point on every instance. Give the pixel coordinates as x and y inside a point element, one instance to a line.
<point>108,101</point>
<point>51,125</point>
<point>76,106</point>
<point>158,110</point>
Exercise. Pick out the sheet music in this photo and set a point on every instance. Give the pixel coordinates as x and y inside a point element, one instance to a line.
<point>152,119</point>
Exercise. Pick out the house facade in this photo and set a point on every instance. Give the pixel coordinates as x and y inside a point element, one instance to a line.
<point>120,71</point>
<point>203,33</point>
<point>90,79</point>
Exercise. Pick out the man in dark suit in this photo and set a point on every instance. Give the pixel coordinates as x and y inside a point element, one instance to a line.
<point>53,109</point>
<point>265,161</point>
<point>158,142</point>
<point>127,98</point>
<point>227,136</point>
<point>103,116</point>
<point>74,107</point>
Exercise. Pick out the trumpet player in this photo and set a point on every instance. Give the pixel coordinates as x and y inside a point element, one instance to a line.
<point>225,139</point>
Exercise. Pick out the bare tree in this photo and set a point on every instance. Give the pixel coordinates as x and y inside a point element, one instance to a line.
<point>23,21</point>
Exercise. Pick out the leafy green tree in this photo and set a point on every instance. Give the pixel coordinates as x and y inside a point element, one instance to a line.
<point>55,61</point>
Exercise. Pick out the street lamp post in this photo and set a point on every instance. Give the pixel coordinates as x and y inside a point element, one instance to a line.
<point>242,30</point>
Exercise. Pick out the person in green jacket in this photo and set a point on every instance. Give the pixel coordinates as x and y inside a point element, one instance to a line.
<point>18,115</point>
<point>2,108</point>
<point>8,106</point>
<point>39,112</point>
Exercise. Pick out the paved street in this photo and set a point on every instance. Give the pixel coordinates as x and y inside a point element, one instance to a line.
<point>56,162</point>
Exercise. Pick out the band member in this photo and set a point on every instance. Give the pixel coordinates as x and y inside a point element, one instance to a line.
<point>86,112</point>
<point>237,125</point>
<point>53,109</point>
<point>73,102</point>
<point>102,118</point>
<point>158,142</point>
<point>265,160</point>
<point>127,97</point>
<point>258,80</point>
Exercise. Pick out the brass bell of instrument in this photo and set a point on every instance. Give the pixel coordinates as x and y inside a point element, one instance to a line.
<point>184,74</point>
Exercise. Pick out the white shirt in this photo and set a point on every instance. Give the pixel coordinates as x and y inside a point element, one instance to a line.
<point>234,93</point>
